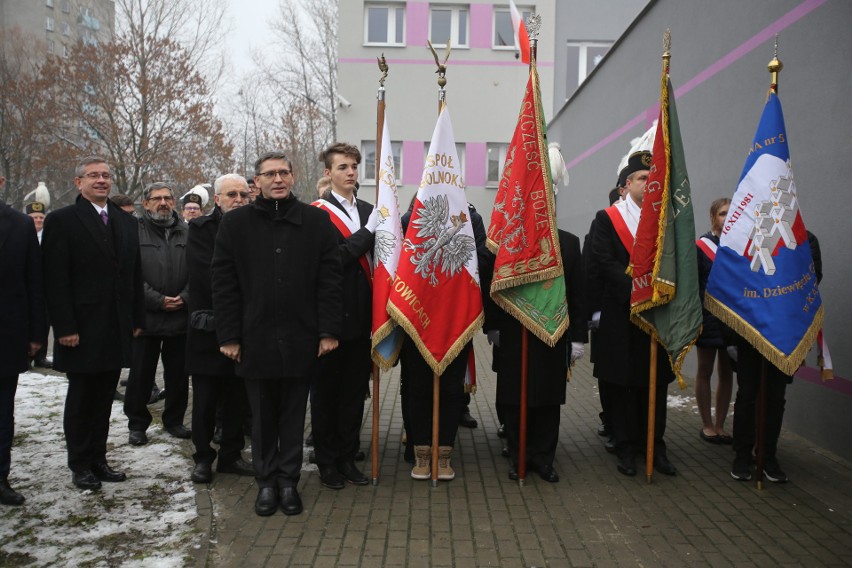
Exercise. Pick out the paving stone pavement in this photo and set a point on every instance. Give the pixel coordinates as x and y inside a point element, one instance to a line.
<point>593,517</point>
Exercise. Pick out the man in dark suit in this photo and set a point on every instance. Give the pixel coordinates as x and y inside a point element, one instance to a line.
<point>547,371</point>
<point>627,347</point>
<point>21,324</point>
<point>214,382</point>
<point>93,286</point>
<point>277,299</point>
<point>337,406</point>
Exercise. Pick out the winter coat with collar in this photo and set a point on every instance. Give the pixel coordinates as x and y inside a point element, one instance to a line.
<point>277,286</point>
<point>164,273</point>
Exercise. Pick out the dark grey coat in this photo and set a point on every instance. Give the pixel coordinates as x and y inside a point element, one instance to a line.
<point>164,273</point>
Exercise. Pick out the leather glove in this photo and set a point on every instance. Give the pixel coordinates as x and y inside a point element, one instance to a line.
<point>577,351</point>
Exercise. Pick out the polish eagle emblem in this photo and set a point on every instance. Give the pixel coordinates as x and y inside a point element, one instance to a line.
<point>385,240</point>
<point>443,248</point>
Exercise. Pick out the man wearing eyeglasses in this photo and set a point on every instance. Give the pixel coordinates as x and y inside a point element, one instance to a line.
<point>93,287</point>
<point>162,241</point>
<point>277,299</point>
<point>214,382</point>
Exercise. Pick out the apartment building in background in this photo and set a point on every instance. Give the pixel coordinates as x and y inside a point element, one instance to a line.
<point>59,24</point>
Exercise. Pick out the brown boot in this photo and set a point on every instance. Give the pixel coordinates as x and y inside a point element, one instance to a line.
<point>445,471</point>
<point>422,462</point>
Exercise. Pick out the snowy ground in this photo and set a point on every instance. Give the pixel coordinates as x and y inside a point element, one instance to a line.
<point>149,520</point>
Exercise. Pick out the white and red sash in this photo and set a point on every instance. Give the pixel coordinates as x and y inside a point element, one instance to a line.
<point>626,233</point>
<point>708,247</point>
<point>336,215</point>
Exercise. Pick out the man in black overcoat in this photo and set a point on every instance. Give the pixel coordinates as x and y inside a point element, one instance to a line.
<point>337,405</point>
<point>546,374</point>
<point>214,381</point>
<point>93,286</point>
<point>627,348</point>
<point>22,322</point>
<point>277,299</point>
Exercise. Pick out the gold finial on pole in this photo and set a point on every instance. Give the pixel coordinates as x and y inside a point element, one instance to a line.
<point>383,67</point>
<point>775,66</point>
<point>667,48</point>
<point>442,67</point>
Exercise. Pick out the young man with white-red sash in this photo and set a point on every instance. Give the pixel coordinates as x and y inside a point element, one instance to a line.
<point>626,366</point>
<point>337,406</point>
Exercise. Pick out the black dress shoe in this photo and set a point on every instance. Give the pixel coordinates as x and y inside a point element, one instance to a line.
<point>105,473</point>
<point>603,430</point>
<point>467,420</point>
<point>217,436</point>
<point>513,473</point>
<point>180,431</point>
<point>609,445</point>
<point>664,466</point>
<point>9,496</point>
<point>352,474</point>
<point>309,441</point>
<point>42,363</point>
<point>138,438</point>
<point>627,466</point>
<point>291,503</point>
<point>85,479</point>
<point>155,395</point>
<point>330,477</point>
<point>504,451</point>
<point>501,431</point>
<point>267,502</point>
<point>360,456</point>
<point>547,473</point>
<point>202,473</point>
<point>238,466</point>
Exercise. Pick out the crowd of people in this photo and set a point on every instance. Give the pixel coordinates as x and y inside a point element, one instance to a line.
<point>265,301</point>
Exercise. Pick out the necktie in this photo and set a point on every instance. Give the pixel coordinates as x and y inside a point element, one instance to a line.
<point>104,217</point>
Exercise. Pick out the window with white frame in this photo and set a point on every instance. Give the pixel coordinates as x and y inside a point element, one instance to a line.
<point>504,30</point>
<point>496,152</point>
<point>49,3</point>
<point>66,6</point>
<point>48,24</point>
<point>449,23</point>
<point>583,57</point>
<point>51,47</point>
<point>368,160</point>
<point>66,29</point>
<point>65,50</point>
<point>384,24</point>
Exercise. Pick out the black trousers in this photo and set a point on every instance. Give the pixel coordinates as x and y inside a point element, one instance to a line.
<point>419,387</point>
<point>604,390</point>
<point>749,362</point>
<point>629,406</point>
<point>147,350</point>
<point>8,387</point>
<point>542,432</point>
<point>337,405</point>
<point>207,392</point>
<point>278,408</point>
<point>87,410</point>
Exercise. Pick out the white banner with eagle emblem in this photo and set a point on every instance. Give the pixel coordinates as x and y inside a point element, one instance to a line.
<point>435,295</point>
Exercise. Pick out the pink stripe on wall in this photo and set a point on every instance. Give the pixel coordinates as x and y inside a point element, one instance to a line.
<point>480,25</point>
<point>416,23</point>
<point>412,161</point>
<point>648,115</point>
<point>475,164</point>
<point>813,376</point>
<point>431,62</point>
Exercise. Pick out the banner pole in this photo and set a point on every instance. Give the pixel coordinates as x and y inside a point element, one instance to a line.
<point>652,415</point>
<point>436,402</point>
<point>761,425</point>
<point>522,438</point>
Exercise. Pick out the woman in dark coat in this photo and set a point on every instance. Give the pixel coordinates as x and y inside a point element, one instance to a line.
<point>711,342</point>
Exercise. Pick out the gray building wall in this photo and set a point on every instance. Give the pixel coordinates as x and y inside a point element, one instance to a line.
<point>73,20</point>
<point>720,51</point>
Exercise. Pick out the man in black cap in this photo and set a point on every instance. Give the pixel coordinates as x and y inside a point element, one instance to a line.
<point>625,368</point>
<point>22,306</point>
<point>36,211</point>
<point>193,203</point>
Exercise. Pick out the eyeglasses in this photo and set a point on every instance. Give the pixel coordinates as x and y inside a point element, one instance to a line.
<point>234,194</point>
<point>161,198</point>
<point>96,175</point>
<point>273,174</point>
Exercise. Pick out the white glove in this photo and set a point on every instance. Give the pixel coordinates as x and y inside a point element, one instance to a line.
<point>577,351</point>
<point>374,220</point>
<point>493,336</point>
<point>595,322</point>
